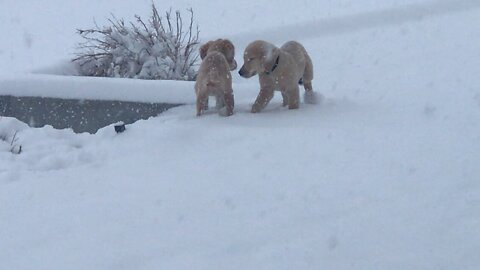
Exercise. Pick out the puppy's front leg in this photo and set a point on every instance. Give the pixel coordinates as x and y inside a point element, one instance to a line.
<point>293,97</point>
<point>285,98</point>
<point>263,98</point>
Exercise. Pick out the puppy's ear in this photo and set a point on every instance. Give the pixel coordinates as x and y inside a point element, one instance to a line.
<point>270,61</point>
<point>204,49</point>
<point>229,52</point>
<point>228,49</point>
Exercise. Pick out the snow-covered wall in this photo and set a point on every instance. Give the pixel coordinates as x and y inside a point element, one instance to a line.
<point>79,115</point>
<point>87,104</point>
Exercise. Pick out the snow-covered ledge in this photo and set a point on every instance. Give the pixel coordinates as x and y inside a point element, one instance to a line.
<point>86,104</point>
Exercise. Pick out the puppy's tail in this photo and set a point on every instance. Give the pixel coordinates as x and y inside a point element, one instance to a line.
<point>212,83</point>
<point>213,78</point>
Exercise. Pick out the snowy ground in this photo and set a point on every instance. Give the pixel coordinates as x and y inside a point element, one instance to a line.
<point>384,174</point>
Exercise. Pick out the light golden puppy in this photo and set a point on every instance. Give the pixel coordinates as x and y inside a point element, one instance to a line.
<point>280,69</point>
<point>214,78</point>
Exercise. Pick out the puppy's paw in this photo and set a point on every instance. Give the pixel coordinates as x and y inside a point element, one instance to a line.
<point>256,108</point>
<point>293,106</point>
<point>312,97</point>
<point>224,112</point>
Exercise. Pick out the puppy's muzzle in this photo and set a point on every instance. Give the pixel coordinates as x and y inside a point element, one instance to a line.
<point>244,73</point>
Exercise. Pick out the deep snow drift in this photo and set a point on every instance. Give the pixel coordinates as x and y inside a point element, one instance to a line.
<point>383,174</point>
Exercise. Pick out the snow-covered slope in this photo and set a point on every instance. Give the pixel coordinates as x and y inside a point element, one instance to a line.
<point>384,174</point>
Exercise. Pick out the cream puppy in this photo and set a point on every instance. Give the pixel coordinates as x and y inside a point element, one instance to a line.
<point>280,69</point>
<point>214,77</point>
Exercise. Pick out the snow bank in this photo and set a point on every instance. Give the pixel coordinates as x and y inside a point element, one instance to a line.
<point>71,87</point>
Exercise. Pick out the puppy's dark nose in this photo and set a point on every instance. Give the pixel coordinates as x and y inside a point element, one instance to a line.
<point>240,72</point>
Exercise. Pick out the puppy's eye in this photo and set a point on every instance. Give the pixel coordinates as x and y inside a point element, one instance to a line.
<point>249,59</point>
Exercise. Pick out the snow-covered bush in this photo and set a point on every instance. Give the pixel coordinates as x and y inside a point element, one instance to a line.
<point>163,48</point>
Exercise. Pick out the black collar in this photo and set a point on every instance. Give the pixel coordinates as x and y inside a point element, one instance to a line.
<point>274,66</point>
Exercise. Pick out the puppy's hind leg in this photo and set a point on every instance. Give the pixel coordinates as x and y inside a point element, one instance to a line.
<point>285,99</point>
<point>202,99</point>
<point>229,102</point>
<point>205,104</point>
<point>309,97</point>
<point>307,73</point>
<point>219,102</point>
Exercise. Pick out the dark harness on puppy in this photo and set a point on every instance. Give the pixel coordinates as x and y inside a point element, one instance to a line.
<point>274,66</point>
